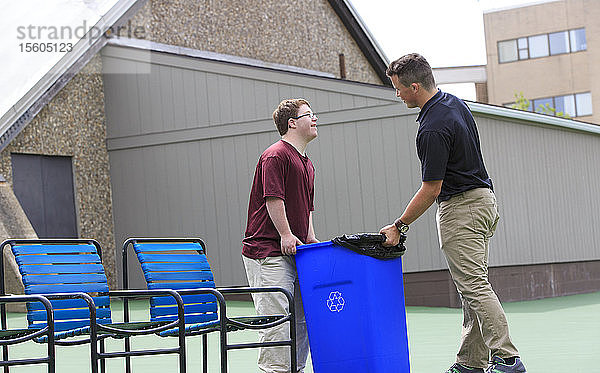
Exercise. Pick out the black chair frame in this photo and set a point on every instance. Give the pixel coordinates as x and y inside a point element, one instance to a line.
<point>13,337</point>
<point>99,332</point>
<point>226,324</point>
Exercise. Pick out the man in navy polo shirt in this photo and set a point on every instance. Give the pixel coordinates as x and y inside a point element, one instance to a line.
<point>454,175</point>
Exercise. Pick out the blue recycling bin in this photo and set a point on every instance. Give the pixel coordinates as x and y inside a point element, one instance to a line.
<point>354,309</point>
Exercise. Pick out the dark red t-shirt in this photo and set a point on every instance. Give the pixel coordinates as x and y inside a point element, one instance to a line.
<point>284,173</point>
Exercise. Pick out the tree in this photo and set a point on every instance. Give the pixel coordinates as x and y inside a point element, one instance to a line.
<point>521,103</point>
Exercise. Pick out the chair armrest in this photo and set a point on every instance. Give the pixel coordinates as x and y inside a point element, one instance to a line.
<point>124,294</point>
<point>250,290</point>
<point>49,329</point>
<point>247,289</point>
<point>273,289</point>
<point>136,294</point>
<point>220,299</point>
<point>212,291</point>
<point>276,320</point>
<point>86,297</point>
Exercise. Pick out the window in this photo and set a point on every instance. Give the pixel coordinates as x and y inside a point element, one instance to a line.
<point>507,51</point>
<point>538,46</point>
<point>584,104</point>
<point>565,105</point>
<point>559,42</point>
<point>511,105</point>
<point>574,105</point>
<point>578,42</point>
<point>523,49</point>
<point>541,105</point>
<point>544,45</point>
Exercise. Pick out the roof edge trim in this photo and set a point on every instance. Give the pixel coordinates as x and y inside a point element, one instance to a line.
<point>533,117</point>
<point>190,52</point>
<point>363,25</point>
<point>361,35</point>
<point>517,6</point>
<point>28,106</point>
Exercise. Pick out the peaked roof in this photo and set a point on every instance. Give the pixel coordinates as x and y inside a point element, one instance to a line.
<point>17,112</point>
<point>366,42</point>
<point>49,80</point>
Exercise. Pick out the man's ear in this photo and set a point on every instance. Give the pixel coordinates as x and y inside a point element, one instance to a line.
<point>415,87</point>
<point>291,123</point>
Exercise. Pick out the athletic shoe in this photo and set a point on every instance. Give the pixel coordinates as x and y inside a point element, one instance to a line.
<point>498,365</point>
<point>459,368</point>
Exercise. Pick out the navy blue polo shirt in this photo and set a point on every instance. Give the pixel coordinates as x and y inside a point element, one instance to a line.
<point>448,146</point>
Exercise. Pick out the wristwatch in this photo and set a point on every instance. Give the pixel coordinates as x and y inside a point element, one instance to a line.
<point>402,227</point>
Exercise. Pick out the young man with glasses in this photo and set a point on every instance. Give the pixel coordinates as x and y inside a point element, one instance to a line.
<point>279,219</point>
<point>453,174</point>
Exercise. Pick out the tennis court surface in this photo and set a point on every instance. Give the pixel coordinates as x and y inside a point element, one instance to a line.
<point>554,335</point>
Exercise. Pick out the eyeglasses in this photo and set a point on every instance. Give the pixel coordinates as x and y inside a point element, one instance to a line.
<point>312,116</point>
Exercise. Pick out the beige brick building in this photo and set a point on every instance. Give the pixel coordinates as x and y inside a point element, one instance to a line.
<point>547,50</point>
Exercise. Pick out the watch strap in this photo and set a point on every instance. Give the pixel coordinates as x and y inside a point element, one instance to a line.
<point>402,226</point>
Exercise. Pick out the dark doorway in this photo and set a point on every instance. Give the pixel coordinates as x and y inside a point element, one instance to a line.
<point>44,187</point>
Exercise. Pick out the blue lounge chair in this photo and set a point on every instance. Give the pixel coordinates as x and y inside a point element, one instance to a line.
<point>181,264</point>
<point>69,272</point>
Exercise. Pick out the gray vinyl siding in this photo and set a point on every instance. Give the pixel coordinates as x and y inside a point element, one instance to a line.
<point>185,136</point>
<point>546,181</point>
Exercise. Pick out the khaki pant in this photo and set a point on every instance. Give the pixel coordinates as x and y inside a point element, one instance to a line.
<point>277,271</point>
<point>466,222</point>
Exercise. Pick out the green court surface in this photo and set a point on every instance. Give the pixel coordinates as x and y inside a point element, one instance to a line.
<point>553,335</point>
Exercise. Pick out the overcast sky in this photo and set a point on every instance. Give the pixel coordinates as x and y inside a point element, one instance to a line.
<point>445,32</point>
<point>31,21</point>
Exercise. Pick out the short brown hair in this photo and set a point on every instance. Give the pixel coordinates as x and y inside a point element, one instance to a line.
<point>412,68</point>
<point>287,109</point>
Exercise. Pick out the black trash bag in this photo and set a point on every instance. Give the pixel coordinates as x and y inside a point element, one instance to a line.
<point>370,244</point>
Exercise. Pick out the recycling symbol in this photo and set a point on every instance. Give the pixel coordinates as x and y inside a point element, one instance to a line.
<point>335,303</point>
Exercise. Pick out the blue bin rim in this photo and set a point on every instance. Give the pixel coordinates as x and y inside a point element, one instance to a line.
<point>315,245</point>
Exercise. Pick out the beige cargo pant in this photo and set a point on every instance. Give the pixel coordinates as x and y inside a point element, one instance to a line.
<point>277,271</point>
<point>466,222</point>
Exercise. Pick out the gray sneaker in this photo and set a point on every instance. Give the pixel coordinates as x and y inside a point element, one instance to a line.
<point>498,365</point>
<point>459,368</point>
